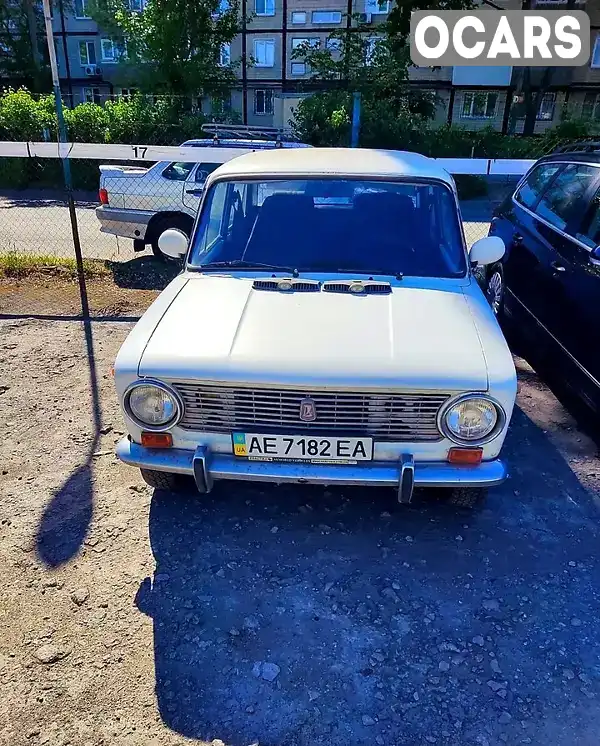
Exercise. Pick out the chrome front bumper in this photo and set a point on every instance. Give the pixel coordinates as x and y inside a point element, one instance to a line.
<point>404,474</point>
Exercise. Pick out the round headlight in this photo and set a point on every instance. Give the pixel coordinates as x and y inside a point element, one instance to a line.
<point>471,419</point>
<point>152,405</point>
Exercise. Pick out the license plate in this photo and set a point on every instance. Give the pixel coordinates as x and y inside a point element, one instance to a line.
<point>302,448</point>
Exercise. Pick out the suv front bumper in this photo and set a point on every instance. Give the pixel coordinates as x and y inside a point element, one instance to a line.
<point>206,466</point>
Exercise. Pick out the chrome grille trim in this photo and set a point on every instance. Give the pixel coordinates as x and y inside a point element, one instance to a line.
<point>399,417</point>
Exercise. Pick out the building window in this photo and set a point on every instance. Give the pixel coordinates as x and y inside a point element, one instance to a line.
<point>591,106</point>
<point>87,53</point>
<point>478,105</point>
<point>112,51</point>
<point>225,55</point>
<point>376,7</point>
<point>313,42</point>
<point>299,16</point>
<point>595,61</point>
<point>264,52</point>
<point>547,105</point>
<point>81,10</point>
<point>127,93</point>
<point>263,101</point>
<point>91,95</point>
<point>137,6</point>
<point>298,68</point>
<point>265,7</point>
<point>326,16</point>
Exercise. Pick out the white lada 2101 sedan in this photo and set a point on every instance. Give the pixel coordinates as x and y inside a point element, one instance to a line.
<point>326,328</point>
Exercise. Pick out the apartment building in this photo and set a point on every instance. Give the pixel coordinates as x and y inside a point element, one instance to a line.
<point>268,90</point>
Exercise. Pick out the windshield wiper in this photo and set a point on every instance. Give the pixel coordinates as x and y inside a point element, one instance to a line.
<point>244,264</point>
<point>352,271</point>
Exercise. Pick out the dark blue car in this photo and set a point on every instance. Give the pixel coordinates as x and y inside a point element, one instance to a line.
<point>548,282</point>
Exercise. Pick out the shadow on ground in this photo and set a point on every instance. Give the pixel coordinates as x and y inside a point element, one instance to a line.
<point>380,624</point>
<point>143,273</point>
<point>67,517</point>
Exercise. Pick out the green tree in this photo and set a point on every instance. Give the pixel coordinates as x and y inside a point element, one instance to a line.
<point>375,62</point>
<point>172,46</point>
<point>23,55</point>
<point>359,59</point>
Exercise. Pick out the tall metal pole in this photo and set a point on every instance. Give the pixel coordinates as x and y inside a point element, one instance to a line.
<point>355,119</point>
<point>62,137</point>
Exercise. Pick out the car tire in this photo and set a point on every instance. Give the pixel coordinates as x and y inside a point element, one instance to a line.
<point>163,480</point>
<point>182,223</point>
<point>494,289</point>
<point>466,497</point>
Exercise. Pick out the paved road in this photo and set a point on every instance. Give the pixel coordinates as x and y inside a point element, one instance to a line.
<point>41,226</point>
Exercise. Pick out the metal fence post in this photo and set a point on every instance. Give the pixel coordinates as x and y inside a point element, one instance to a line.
<point>355,119</point>
<point>62,137</point>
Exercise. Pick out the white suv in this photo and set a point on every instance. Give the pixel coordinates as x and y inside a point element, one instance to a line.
<point>142,203</point>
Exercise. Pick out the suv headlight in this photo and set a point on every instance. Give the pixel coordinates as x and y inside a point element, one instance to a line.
<point>472,419</point>
<point>153,405</point>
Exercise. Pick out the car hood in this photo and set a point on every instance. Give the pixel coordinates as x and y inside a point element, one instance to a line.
<point>219,328</point>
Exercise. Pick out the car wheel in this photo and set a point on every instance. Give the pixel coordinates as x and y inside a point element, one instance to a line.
<point>180,222</point>
<point>494,289</point>
<point>164,480</point>
<point>467,497</point>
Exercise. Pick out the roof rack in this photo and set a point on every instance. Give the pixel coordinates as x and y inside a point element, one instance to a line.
<point>236,131</point>
<point>583,146</point>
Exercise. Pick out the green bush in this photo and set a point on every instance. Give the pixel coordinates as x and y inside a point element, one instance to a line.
<point>470,187</point>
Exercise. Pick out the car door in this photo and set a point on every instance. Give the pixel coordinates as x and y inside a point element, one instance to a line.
<point>529,253</point>
<point>194,185</point>
<point>559,213</point>
<point>581,289</point>
<point>164,190</point>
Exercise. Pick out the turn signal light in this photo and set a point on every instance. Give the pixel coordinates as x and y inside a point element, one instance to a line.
<point>103,194</point>
<point>464,456</point>
<point>157,440</point>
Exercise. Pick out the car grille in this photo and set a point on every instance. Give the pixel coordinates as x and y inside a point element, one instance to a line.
<point>386,417</point>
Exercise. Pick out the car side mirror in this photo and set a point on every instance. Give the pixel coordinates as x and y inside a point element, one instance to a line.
<point>487,250</point>
<point>595,257</point>
<point>173,243</point>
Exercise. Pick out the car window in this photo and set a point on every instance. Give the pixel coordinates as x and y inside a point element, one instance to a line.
<point>333,225</point>
<point>178,171</point>
<point>204,171</point>
<point>589,231</point>
<point>535,183</point>
<point>226,204</point>
<point>562,199</point>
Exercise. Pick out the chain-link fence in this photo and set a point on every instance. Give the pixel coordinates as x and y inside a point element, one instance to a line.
<point>121,207</point>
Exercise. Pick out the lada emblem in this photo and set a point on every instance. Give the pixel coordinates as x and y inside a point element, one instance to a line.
<point>308,410</point>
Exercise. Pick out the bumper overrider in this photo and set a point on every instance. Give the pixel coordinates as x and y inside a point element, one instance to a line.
<point>405,474</point>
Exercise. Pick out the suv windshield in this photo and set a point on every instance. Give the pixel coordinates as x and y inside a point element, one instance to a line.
<point>328,225</point>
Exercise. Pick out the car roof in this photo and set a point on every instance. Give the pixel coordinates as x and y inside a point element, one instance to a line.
<point>355,162</point>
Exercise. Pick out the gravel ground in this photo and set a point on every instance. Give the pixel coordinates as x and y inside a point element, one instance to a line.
<point>282,615</point>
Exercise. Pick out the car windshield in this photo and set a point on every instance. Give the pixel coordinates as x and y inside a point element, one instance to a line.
<point>328,225</point>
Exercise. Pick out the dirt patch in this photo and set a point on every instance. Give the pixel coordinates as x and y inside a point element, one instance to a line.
<point>40,296</point>
<point>281,615</point>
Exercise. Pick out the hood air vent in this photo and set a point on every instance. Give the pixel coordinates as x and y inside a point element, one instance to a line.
<point>358,287</point>
<point>287,285</point>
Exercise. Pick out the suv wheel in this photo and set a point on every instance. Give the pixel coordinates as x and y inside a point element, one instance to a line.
<point>494,289</point>
<point>180,222</point>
